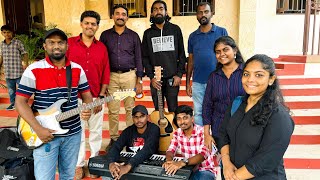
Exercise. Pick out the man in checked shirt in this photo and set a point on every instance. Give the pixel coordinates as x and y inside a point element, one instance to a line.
<point>12,55</point>
<point>189,141</point>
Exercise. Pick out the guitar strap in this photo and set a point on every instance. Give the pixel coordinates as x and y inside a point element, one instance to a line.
<point>69,78</point>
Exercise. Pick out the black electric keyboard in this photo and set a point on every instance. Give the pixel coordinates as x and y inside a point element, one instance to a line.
<point>149,169</point>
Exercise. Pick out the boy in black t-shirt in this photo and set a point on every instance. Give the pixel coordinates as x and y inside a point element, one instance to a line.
<point>142,138</point>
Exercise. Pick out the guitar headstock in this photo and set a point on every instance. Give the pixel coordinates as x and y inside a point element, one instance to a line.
<point>158,72</point>
<point>122,94</point>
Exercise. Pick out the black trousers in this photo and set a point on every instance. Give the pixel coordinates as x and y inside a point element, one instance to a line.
<point>169,92</point>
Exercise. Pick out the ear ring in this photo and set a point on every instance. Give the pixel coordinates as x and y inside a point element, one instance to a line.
<point>235,56</point>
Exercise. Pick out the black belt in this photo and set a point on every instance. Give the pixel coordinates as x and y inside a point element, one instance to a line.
<point>125,71</point>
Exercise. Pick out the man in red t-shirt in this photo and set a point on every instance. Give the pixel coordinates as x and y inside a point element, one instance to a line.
<point>92,55</point>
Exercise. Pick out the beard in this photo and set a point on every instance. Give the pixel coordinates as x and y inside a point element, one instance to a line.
<point>203,22</point>
<point>57,57</point>
<point>158,19</point>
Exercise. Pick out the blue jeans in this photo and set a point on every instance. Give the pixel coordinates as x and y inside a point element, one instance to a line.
<point>198,91</point>
<point>62,151</point>
<point>12,88</point>
<point>203,175</point>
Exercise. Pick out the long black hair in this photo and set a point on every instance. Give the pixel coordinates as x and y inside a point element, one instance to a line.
<point>272,98</point>
<point>227,40</point>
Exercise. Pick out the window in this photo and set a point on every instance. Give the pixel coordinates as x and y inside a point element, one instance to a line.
<point>136,8</point>
<point>188,7</point>
<point>291,6</point>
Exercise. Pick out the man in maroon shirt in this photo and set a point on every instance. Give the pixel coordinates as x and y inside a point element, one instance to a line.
<point>124,47</point>
<point>92,55</point>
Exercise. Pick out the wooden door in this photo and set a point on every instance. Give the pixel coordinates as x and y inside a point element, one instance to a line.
<point>17,15</point>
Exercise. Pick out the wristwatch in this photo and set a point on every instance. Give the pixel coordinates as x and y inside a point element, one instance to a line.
<point>186,161</point>
<point>101,97</point>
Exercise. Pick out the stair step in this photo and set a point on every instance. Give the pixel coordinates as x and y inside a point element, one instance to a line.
<point>284,68</point>
<point>305,139</point>
<point>291,58</point>
<point>299,81</point>
<point>293,163</point>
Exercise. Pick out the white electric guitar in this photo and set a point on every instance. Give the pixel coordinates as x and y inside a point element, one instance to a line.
<point>51,116</point>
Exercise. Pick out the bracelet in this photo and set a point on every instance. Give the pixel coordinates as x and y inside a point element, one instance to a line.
<point>224,155</point>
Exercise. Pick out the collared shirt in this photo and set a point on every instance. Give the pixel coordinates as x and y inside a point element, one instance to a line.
<point>192,146</point>
<point>260,148</point>
<point>124,50</point>
<point>201,44</point>
<point>94,60</point>
<point>220,93</point>
<point>11,55</point>
<point>48,83</point>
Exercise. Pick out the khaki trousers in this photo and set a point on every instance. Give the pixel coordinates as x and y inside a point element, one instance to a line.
<point>120,81</point>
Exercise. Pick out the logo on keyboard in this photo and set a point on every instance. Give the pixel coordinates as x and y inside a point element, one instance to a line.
<point>96,165</point>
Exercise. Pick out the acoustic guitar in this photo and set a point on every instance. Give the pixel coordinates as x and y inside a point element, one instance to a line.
<point>162,119</point>
<point>51,116</point>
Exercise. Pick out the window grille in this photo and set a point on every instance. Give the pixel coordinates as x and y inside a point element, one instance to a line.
<point>188,7</point>
<point>291,6</point>
<point>136,8</point>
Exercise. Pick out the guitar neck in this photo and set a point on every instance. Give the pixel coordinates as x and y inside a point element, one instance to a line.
<point>75,111</point>
<point>160,104</point>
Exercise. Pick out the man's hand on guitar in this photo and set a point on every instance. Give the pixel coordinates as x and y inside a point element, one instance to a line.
<point>139,88</point>
<point>97,109</point>
<point>85,114</point>
<point>176,81</point>
<point>45,134</point>
<point>156,84</point>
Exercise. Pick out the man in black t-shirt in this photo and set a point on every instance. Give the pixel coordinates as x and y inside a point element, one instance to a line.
<point>142,138</point>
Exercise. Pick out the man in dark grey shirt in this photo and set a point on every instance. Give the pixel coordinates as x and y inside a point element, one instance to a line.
<point>142,138</point>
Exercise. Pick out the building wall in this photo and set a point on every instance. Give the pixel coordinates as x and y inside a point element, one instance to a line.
<point>66,14</point>
<point>247,27</point>
<point>277,34</point>
<point>254,24</point>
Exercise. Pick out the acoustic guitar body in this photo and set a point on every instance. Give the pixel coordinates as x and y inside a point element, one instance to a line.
<point>165,137</point>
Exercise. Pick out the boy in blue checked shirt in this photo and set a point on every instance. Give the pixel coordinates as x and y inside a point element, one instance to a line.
<point>12,55</point>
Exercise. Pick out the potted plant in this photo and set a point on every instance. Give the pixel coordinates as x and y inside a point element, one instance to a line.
<point>32,44</point>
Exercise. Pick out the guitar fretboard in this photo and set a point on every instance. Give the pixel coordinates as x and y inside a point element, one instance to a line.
<point>75,111</point>
<point>160,104</point>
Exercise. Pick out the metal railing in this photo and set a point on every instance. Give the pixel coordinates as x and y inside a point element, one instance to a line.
<point>312,9</point>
